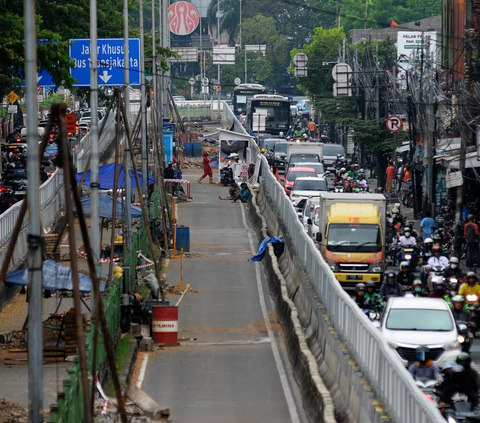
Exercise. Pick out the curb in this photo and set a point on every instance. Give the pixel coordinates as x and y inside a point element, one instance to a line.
<point>126,374</point>
<point>318,403</point>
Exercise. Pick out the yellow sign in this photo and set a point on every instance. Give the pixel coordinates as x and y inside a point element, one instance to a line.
<point>12,97</point>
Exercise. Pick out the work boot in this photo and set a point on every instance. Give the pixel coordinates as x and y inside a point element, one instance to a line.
<point>211,180</point>
<point>200,180</point>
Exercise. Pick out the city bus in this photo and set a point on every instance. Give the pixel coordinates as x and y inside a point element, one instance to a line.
<point>276,110</point>
<point>242,93</point>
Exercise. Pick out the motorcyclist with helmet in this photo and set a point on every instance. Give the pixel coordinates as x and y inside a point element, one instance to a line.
<point>390,287</point>
<point>362,301</point>
<point>472,376</point>
<point>425,275</point>
<point>426,250</point>
<point>440,290</point>
<point>361,182</point>
<point>458,389</point>
<point>471,287</point>
<point>460,314</point>
<point>453,269</point>
<point>424,369</point>
<point>405,277</point>
<point>373,296</point>
<point>446,372</point>
<point>408,241</point>
<point>437,259</point>
<point>353,172</point>
<point>417,289</point>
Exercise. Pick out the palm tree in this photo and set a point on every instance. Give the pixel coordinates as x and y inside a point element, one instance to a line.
<point>229,17</point>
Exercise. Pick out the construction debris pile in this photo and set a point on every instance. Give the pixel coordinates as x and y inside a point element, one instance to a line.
<point>11,412</point>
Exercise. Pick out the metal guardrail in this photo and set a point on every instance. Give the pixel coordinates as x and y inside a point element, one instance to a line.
<point>391,381</point>
<point>52,199</point>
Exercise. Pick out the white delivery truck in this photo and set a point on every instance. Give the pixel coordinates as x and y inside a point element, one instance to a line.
<point>303,151</point>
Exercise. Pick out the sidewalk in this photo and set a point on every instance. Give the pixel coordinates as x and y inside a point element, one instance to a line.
<point>231,365</point>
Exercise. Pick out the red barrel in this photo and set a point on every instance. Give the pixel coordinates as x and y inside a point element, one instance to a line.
<point>165,325</point>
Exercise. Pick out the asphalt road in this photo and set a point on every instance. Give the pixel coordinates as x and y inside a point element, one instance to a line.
<point>232,364</point>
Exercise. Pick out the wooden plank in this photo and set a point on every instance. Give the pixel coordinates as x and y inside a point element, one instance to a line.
<point>141,399</point>
<point>18,350</point>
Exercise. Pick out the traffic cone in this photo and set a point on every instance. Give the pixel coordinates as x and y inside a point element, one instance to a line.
<point>277,176</point>
<point>271,169</point>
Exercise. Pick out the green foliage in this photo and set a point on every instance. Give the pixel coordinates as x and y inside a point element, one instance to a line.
<point>229,17</point>
<point>323,48</point>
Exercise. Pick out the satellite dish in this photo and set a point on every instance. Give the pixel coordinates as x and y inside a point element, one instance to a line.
<point>237,81</point>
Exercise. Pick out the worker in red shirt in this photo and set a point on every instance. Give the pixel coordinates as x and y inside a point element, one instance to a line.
<point>471,236</point>
<point>390,177</point>
<point>406,173</point>
<point>207,170</point>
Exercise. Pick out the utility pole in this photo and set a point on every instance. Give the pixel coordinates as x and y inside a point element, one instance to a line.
<point>95,215</point>
<point>143,108</point>
<point>166,43</point>
<point>430,132</point>
<point>128,181</point>
<point>218,43</point>
<point>154,65</point>
<point>35,261</point>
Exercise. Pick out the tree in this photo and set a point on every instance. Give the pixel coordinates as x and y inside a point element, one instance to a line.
<point>52,53</point>
<point>323,48</point>
<point>229,17</point>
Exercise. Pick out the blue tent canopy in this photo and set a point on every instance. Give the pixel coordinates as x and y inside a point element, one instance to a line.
<point>106,207</point>
<point>55,276</point>
<point>106,176</point>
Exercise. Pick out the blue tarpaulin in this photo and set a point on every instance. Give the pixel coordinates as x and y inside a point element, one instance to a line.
<point>106,207</point>
<point>55,276</point>
<point>263,247</point>
<point>106,175</point>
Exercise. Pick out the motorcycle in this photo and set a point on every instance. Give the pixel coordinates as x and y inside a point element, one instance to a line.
<point>474,308</point>
<point>339,187</point>
<point>436,275</point>
<point>462,411</point>
<point>409,255</point>
<point>226,176</point>
<point>452,285</point>
<point>428,388</point>
<point>463,329</point>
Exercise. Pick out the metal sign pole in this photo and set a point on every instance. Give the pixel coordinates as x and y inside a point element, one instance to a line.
<point>35,333</point>
<point>95,215</point>
<point>143,108</point>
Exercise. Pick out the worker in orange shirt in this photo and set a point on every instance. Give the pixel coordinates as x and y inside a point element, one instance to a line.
<point>406,173</point>
<point>390,177</point>
<point>312,127</point>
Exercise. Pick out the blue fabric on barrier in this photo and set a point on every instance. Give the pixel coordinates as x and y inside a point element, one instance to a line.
<point>106,175</point>
<point>263,247</point>
<point>55,276</point>
<point>106,207</point>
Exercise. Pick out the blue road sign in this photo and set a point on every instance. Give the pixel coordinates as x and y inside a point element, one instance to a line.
<point>110,61</point>
<point>44,79</point>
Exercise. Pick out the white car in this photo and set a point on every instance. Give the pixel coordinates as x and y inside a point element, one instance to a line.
<point>307,187</point>
<point>410,323</point>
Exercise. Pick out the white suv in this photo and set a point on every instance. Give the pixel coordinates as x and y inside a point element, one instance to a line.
<point>410,323</point>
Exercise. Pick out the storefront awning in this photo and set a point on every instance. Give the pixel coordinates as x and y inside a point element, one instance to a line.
<point>453,161</point>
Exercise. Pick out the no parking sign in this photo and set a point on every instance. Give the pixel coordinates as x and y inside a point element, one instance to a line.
<point>394,123</point>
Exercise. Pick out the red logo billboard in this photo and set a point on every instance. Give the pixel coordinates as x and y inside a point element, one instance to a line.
<point>184,18</point>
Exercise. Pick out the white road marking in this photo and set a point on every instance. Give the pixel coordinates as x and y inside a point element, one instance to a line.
<point>143,369</point>
<point>294,417</point>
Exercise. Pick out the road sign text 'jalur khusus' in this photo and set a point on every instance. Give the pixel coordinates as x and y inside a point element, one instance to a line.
<point>110,61</point>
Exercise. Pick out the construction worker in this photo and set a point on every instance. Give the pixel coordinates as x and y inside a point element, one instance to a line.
<point>207,170</point>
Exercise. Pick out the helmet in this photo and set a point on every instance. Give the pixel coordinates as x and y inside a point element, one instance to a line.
<point>437,248</point>
<point>305,136</point>
<point>233,155</point>
<point>464,358</point>
<point>428,241</point>
<point>395,211</point>
<point>343,170</point>
<point>380,190</point>
<point>370,284</point>
<point>449,365</point>
<point>361,171</point>
<point>422,354</point>
<point>472,275</point>
<point>360,287</point>
<point>339,155</point>
<point>407,229</point>
<point>417,282</point>
<point>453,259</point>
<point>358,190</point>
<point>355,165</point>
<point>404,264</point>
<point>437,237</point>
<point>458,374</point>
<point>457,299</point>
<point>281,134</point>
<point>263,150</point>
<point>407,165</point>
